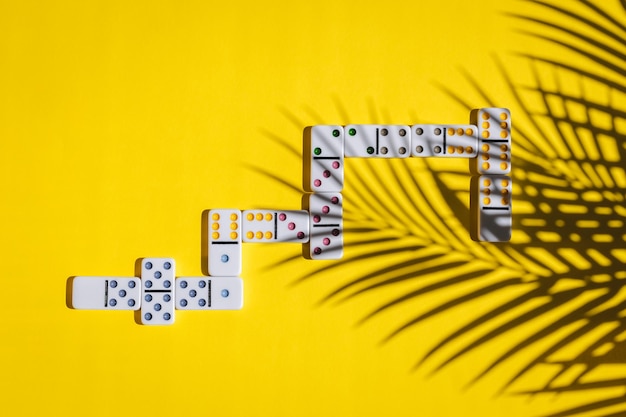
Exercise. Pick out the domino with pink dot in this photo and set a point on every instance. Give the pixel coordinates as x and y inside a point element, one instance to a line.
<point>224,242</point>
<point>494,141</point>
<point>326,226</point>
<point>323,158</point>
<point>275,226</point>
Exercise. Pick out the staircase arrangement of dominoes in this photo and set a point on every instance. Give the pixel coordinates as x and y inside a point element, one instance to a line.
<point>318,227</point>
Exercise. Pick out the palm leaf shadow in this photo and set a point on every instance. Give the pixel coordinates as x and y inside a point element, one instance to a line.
<point>566,264</point>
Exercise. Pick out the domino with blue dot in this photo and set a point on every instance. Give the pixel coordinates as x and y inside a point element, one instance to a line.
<point>209,293</point>
<point>224,242</point>
<point>157,290</point>
<point>377,141</point>
<point>106,293</point>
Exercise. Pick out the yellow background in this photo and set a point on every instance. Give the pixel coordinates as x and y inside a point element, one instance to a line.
<point>121,122</point>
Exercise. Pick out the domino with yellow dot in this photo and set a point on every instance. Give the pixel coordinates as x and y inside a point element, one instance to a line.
<point>224,242</point>
<point>275,226</point>
<point>494,208</point>
<point>448,141</point>
<point>494,141</point>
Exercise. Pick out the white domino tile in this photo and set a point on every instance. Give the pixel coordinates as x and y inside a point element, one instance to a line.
<point>275,226</point>
<point>446,141</point>
<point>209,293</point>
<point>326,226</point>
<point>323,158</point>
<point>106,293</point>
<point>494,208</point>
<point>377,141</point>
<point>157,279</point>
<point>224,242</point>
<point>494,141</point>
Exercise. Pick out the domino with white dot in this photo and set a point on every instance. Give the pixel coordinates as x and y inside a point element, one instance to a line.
<point>158,290</point>
<point>494,141</point>
<point>446,141</point>
<point>275,226</point>
<point>106,293</point>
<point>323,158</point>
<point>325,226</point>
<point>377,141</point>
<point>494,208</point>
<point>224,242</point>
<point>209,293</point>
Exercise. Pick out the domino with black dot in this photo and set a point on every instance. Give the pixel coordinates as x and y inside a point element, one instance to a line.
<point>157,290</point>
<point>377,141</point>
<point>275,226</point>
<point>494,216</point>
<point>447,141</point>
<point>106,293</point>
<point>494,141</point>
<point>323,147</point>
<point>224,242</point>
<point>325,226</point>
<point>209,293</point>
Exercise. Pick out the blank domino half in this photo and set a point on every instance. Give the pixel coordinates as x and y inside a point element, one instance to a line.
<point>224,242</point>
<point>325,225</point>
<point>275,226</point>
<point>494,222</point>
<point>494,141</point>
<point>448,141</point>
<point>157,279</point>
<point>106,293</point>
<point>209,293</point>
<point>377,141</point>
<point>323,158</point>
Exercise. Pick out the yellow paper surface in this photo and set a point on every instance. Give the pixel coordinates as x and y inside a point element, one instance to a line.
<point>121,122</point>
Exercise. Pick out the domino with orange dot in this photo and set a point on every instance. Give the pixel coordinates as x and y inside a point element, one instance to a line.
<point>494,141</point>
<point>448,141</point>
<point>323,158</point>
<point>377,141</point>
<point>494,208</point>
<point>224,242</point>
<point>275,226</point>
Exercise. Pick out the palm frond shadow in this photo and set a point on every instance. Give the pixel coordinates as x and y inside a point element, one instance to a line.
<point>564,269</point>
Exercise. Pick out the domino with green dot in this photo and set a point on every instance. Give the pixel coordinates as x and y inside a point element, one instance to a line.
<point>323,149</point>
<point>377,141</point>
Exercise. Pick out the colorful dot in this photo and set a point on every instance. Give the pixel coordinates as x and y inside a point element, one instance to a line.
<point>503,116</point>
<point>259,216</point>
<point>216,235</point>
<point>505,183</point>
<point>282,217</point>
<point>451,149</point>
<point>469,132</point>
<point>335,164</point>
<point>326,173</point>
<point>504,134</point>
<point>216,216</point>
<point>317,251</point>
<point>335,232</point>
<point>469,149</point>
<point>334,199</point>
<point>215,226</point>
<point>504,148</point>
<point>485,134</point>
<point>325,209</point>
<point>487,183</point>
<point>300,235</point>
<point>234,226</point>
<point>504,125</point>
<point>317,183</point>
<point>504,166</point>
<point>459,131</point>
<point>485,148</point>
<point>249,216</point>
<point>336,133</point>
<point>268,235</point>
<point>234,235</point>
<point>317,151</point>
<point>485,116</point>
<point>352,132</point>
<point>486,201</point>
<point>326,241</point>
<point>486,125</point>
<point>234,217</point>
<point>316,218</point>
<point>485,156</point>
<point>291,226</point>
<point>370,150</point>
<point>259,235</point>
<point>459,149</point>
<point>485,166</point>
<point>250,235</point>
<point>269,217</point>
<point>451,131</point>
